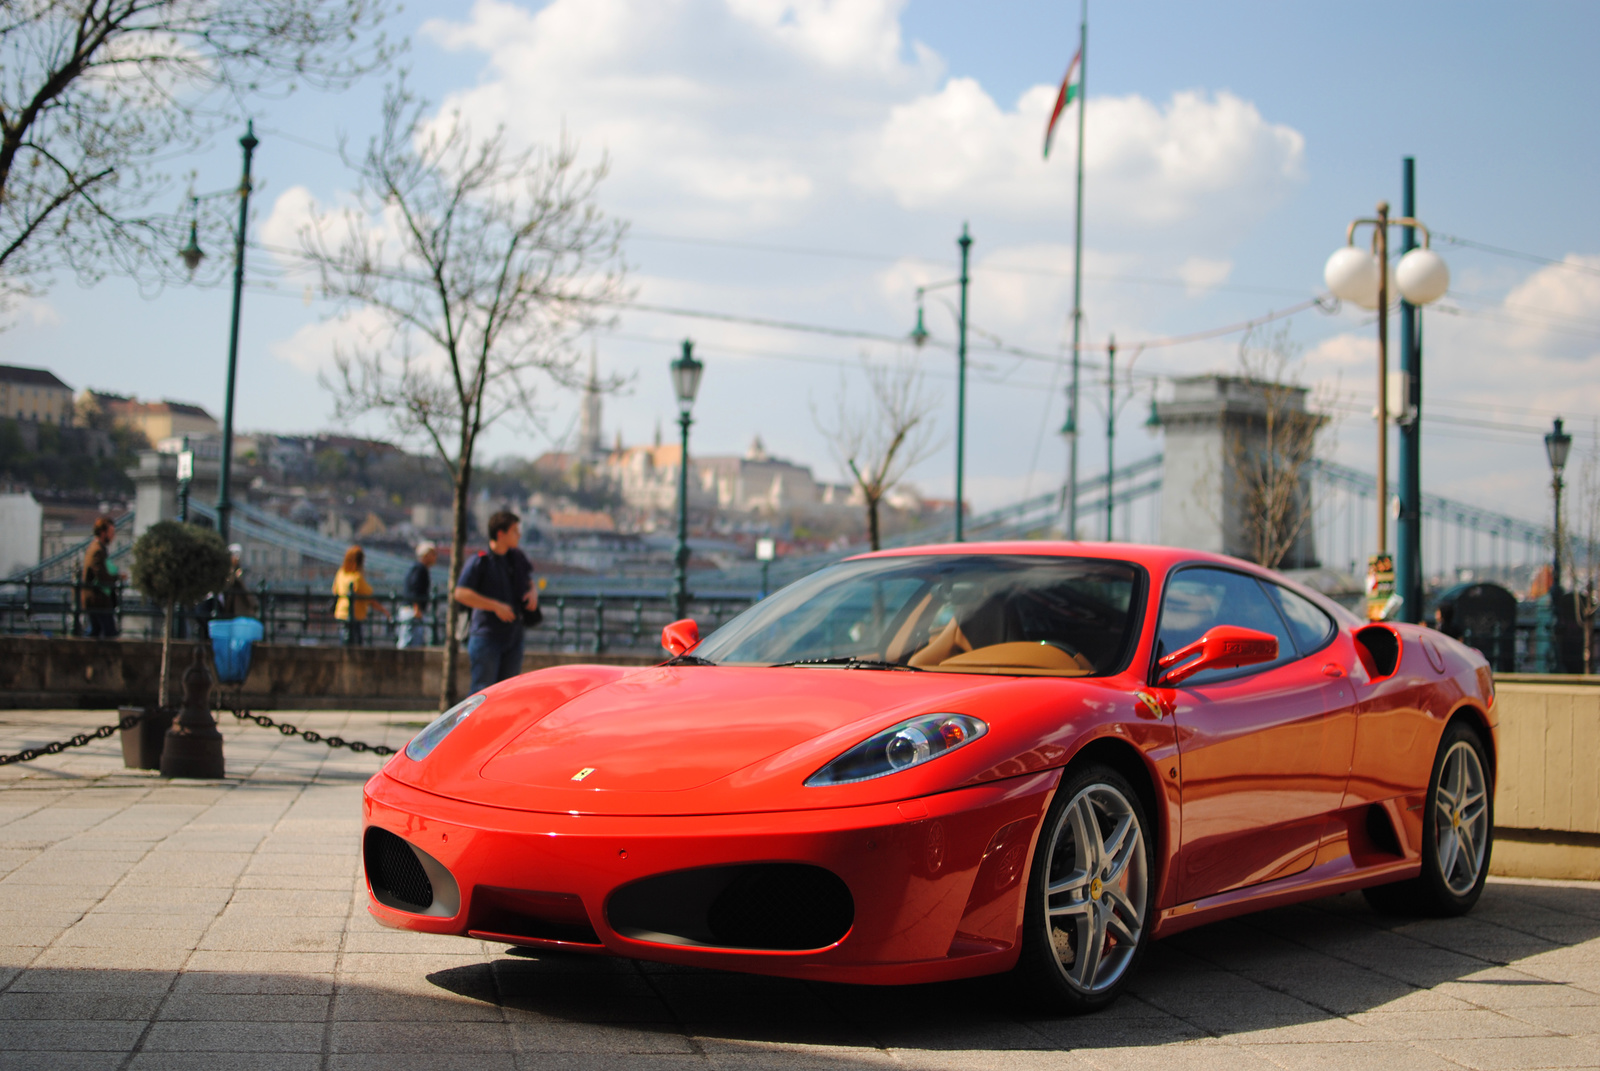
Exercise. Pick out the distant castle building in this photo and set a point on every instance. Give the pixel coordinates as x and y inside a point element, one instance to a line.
<point>646,477</point>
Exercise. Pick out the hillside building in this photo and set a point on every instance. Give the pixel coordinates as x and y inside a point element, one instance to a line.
<point>34,394</point>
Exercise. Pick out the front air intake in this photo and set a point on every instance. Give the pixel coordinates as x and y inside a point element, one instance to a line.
<point>786,907</point>
<point>406,878</point>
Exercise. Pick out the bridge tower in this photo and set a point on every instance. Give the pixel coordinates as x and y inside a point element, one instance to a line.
<point>1217,430</point>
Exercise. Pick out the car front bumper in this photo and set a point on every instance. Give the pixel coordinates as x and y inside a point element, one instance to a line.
<point>934,884</point>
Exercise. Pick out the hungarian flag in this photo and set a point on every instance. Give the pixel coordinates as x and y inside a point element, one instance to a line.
<point>1071,90</point>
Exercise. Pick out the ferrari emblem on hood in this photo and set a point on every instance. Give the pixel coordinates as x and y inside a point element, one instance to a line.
<point>581,774</point>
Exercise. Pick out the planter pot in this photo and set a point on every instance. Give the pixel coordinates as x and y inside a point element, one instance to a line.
<point>142,744</point>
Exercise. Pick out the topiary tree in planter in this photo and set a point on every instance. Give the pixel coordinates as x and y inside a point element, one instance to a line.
<point>178,563</point>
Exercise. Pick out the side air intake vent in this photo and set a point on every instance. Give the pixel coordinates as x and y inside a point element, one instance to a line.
<point>775,906</point>
<point>407,878</point>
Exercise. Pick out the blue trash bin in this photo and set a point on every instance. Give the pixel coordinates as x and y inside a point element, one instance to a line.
<point>230,647</point>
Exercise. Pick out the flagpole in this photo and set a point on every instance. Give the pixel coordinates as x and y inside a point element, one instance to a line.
<point>1077,286</point>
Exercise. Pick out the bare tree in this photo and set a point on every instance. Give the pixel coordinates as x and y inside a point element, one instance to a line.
<point>1269,451</point>
<point>93,93</point>
<point>484,266</point>
<point>881,441</point>
<point>1581,541</point>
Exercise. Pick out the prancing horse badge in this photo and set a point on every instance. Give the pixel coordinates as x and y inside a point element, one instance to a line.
<point>581,774</point>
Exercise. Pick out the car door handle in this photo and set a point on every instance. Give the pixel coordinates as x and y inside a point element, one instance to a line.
<point>1333,669</point>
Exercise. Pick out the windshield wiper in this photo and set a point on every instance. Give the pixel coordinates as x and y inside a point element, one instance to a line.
<point>849,662</point>
<point>688,660</point>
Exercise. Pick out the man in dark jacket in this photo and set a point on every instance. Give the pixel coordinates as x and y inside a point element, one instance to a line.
<point>416,590</point>
<point>497,584</point>
<point>236,599</point>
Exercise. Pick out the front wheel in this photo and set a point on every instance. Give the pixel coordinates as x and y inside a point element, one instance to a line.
<point>1087,917</point>
<point>1457,833</point>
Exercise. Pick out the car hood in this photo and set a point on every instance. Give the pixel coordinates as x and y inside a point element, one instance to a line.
<point>674,740</point>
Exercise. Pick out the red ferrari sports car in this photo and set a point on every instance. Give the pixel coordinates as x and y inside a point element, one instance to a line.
<point>948,761</point>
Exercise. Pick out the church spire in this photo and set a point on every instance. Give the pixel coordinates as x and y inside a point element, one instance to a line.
<point>591,439</point>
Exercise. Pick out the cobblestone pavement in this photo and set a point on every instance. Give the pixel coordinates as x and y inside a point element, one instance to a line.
<point>151,924</point>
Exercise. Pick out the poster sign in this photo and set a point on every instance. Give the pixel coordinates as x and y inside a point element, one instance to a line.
<point>1381,598</point>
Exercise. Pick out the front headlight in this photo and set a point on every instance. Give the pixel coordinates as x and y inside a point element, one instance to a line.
<point>900,747</point>
<point>424,742</point>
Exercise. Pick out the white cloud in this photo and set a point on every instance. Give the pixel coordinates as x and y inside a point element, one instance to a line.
<point>726,114</point>
<point>1145,165</point>
<point>34,311</point>
<point>1557,309</point>
<point>312,348</point>
<point>1204,273</point>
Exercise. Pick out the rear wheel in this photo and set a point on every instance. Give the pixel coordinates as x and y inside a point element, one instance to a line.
<point>1457,833</point>
<point>1089,893</point>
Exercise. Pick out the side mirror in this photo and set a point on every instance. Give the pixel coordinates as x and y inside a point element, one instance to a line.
<point>1223,647</point>
<point>680,636</point>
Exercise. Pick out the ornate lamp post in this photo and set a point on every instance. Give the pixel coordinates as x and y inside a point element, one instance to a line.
<point>685,384</point>
<point>919,337</point>
<point>192,254</point>
<point>1362,278</point>
<point>1557,444</point>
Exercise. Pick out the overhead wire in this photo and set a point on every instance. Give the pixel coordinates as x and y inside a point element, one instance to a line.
<point>1501,251</point>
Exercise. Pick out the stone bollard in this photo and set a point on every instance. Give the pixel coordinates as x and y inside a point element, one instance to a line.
<point>193,746</point>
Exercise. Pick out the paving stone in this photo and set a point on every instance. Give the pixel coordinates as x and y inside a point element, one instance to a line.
<point>124,873</point>
<point>1515,1054</point>
<point>247,982</point>
<point>68,1035</point>
<point>215,1036</point>
<point>1355,1056</point>
<point>429,1061</point>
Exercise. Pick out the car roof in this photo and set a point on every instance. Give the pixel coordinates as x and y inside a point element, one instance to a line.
<point>1154,557</point>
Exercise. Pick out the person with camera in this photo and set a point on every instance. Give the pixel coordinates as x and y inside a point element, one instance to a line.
<point>497,584</point>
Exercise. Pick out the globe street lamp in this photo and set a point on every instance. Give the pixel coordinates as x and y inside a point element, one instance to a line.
<point>919,337</point>
<point>686,384</point>
<point>1362,278</point>
<point>191,255</point>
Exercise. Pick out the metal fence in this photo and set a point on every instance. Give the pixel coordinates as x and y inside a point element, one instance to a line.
<point>574,622</point>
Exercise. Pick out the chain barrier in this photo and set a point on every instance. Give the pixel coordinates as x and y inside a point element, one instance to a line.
<point>311,736</point>
<point>56,747</point>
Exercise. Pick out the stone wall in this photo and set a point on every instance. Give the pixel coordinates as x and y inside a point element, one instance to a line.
<point>1547,794</point>
<point>103,674</point>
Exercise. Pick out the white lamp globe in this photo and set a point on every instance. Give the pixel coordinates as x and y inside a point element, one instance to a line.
<point>1422,276</point>
<point>1352,275</point>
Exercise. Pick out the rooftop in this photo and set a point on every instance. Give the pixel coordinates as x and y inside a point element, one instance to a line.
<point>30,377</point>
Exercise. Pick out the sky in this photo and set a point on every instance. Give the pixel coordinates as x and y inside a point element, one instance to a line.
<point>814,161</point>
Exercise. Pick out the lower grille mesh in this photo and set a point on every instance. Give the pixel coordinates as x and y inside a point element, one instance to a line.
<point>782,907</point>
<point>778,906</point>
<point>392,867</point>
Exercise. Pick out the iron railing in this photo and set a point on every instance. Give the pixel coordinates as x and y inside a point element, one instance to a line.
<point>575,622</point>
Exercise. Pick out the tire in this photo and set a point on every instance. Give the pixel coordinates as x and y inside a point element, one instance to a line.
<point>1457,833</point>
<point>1095,851</point>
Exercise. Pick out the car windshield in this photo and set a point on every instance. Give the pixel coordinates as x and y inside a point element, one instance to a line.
<point>1007,614</point>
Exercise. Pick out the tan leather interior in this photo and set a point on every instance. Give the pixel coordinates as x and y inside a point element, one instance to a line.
<point>902,638</point>
<point>1020,656</point>
<point>949,641</point>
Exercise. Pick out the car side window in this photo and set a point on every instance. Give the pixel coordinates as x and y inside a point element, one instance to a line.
<point>1311,627</point>
<point>1200,599</point>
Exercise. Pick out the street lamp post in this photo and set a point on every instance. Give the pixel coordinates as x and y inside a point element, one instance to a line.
<point>685,384</point>
<point>1556,446</point>
<point>919,336</point>
<point>1111,429</point>
<point>1362,278</point>
<point>191,255</point>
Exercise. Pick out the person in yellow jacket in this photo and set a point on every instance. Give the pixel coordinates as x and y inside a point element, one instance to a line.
<point>350,583</point>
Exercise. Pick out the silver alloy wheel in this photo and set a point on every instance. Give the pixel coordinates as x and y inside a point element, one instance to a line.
<point>1096,888</point>
<point>1461,814</point>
